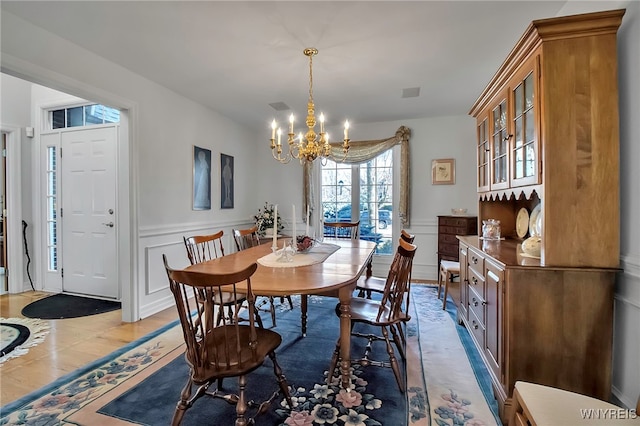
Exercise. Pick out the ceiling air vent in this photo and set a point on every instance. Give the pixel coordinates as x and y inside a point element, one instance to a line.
<point>411,92</point>
<point>279,106</point>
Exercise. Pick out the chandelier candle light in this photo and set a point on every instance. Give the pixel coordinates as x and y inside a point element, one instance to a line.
<point>274,241</point>
<point>311,145</point>
<point>293,210</point>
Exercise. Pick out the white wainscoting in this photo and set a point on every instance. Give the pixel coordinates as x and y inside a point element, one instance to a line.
<point>626,333</point>
<point>425,263</point>
<point>154,293</point>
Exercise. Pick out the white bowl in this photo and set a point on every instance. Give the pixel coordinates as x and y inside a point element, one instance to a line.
<point>458,212</point>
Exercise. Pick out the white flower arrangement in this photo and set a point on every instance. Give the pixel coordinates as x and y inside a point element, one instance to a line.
<point>265,219</point>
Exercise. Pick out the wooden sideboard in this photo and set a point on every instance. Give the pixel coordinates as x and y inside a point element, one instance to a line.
<point>547,325</point>
<point>547,138</point>
<point>448,228</point>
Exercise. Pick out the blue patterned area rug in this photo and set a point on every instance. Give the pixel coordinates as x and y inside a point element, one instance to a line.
<point>141,383</point>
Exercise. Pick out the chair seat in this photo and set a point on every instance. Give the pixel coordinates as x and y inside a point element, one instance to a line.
<point>450,266</point>
<point>548,406</point>
<point>371,284</point>
<point>225,336</point>
<point>228,299</point>
<point>366,311</point>
<point>448,269</point>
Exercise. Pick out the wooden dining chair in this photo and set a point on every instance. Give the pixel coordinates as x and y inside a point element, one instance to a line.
<point>368,284</point>
<point>342,229</point>
<point>201,248</point>
<point>388,314</point>
<point>227,349</point>
<point>246,238</point>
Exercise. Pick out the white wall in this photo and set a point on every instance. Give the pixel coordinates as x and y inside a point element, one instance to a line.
<point>163,129</point>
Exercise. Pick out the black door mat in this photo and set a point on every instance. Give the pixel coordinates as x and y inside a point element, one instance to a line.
<point>60,306</point>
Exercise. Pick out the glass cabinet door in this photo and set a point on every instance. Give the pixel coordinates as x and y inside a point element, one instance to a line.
<point>483,154</point>
<point>524,158</point>
<point>499,146</point>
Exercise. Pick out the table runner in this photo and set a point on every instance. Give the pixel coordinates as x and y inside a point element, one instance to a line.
<point>317,254</point>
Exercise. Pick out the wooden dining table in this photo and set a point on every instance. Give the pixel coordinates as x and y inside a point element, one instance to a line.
<point>335,276</point>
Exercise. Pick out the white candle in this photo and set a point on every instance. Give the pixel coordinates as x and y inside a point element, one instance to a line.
<point>321,122</point>
<point>275,226</point>
<point>293,210</point>
<point>291,124</point>
<point>273,128</point>
<point>279,135</point>
<point>346,129</point>
<point>307,231</point>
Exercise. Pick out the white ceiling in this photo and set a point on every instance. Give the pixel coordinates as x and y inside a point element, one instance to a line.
<point>237,57</point>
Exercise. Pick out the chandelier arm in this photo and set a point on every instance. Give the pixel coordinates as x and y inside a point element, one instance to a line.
<point>277,155</point>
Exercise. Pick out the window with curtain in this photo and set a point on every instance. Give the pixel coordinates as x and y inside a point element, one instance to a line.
<point>363,192</point>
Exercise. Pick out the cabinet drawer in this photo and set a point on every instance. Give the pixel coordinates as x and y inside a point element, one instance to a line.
<point>476,261</point>
<point>448,238</point>
<point>454,230</point>
<point>450,249</point>
<point>456,221</point>
<point>476,304</point>
<point>477,330</point>
<point>476,282</point>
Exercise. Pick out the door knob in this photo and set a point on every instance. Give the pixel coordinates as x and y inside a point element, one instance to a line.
<point>110,224</point>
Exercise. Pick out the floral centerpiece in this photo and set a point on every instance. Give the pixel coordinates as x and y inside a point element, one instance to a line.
<point>265,219</point>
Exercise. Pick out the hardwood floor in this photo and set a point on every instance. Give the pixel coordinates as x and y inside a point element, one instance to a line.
<point>70,344</point>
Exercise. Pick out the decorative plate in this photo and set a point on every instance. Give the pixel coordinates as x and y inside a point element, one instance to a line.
<point>535,225</point>
<point>522,222</point>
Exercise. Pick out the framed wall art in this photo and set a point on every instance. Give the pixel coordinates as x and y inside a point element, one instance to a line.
<point>226,181</point>
<point>443,171</point>
<point>201,178</point>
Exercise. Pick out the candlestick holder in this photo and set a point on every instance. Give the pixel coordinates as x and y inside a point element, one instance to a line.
<point>286,253</point>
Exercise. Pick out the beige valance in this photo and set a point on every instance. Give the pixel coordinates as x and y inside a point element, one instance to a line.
<point>361,151</point>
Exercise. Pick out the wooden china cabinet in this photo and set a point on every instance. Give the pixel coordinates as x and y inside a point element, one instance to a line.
<point>547,138</point>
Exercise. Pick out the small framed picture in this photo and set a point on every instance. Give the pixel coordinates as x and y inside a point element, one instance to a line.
<point>226,181</point>
<point>201,178</point>
<point>443,171</point>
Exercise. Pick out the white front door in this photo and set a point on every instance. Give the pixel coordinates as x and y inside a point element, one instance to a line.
<point>88,187</point>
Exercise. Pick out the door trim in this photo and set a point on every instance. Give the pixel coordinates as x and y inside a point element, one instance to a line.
<point>13,198</point>
<point>127,157</point>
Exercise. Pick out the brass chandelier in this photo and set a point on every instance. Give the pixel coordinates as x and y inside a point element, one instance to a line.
<point>311,145</point>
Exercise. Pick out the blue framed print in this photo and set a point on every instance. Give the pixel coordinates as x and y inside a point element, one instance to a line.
<point>226,181</point>
<point>201,178</point>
